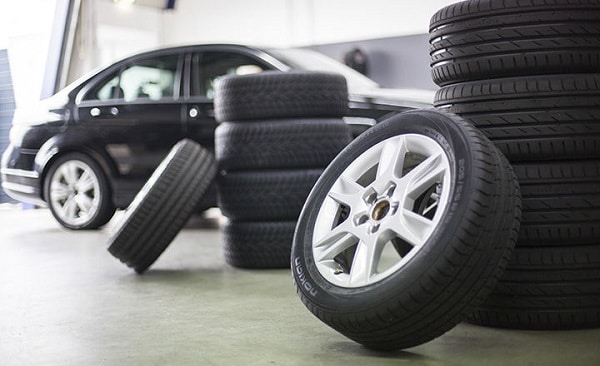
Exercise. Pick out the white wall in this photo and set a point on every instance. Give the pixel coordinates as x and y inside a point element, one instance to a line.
<point>25,29</point>
<point>111,31</point>
<point>119,30</point>
<point>122,30</point>
<point>284,23</point>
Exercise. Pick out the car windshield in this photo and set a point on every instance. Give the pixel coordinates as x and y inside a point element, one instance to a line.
<point>301,59</point>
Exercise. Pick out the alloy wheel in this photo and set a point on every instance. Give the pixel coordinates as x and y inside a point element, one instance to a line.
<point>381,210</point>
<point>75,192</point>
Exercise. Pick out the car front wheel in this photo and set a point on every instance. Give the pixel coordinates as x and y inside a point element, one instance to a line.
<point>77,193</point>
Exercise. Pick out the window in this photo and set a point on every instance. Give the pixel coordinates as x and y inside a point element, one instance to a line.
<point>151,79</point>
<point>105,91</point>
<point>209,66</point>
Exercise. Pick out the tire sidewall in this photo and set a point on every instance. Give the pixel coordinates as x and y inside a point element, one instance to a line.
<point>324,294</point>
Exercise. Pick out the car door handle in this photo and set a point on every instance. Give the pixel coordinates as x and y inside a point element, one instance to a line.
<point>96,112</point>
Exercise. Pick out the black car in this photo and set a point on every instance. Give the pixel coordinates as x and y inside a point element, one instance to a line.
<point>88,149</point>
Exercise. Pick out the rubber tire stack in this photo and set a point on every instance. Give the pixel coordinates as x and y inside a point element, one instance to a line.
<point>525,72</point>
<point>276,133</point>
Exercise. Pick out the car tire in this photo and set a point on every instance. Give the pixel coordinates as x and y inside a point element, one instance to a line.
<point>163,205</point>
<point>546,288</point>
<point>280,144</point>
<point>532,118</point>
<point>562,202</point>
<point>265,195</point>
<point>258,245</point>
<point>77,192</point>
<point>271,94</point>
<point>484,39</point>
<point>461,203</point>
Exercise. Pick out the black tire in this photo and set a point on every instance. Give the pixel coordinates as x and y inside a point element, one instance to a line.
<point>275,94</point>
<point>437,287</point>
<point>99,193</point>
<point>552,288</point>
<point>265,195</point>
<point>532,118</point>
<point>163,205</point>
<point>560,200</point>
<point>258,245</point>
<point>280,144</point>
<point>482,39</point>
<point>209,198</point>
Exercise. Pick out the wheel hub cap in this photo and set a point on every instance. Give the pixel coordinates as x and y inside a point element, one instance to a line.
<point>380,210</point>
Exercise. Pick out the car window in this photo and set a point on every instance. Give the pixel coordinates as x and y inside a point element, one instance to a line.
<point>153,79</point>
<point>209,66</point>
<point>105,91</point>
<point>150,79</point>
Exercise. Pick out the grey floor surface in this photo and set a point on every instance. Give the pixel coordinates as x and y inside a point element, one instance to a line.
<point>64,300</point>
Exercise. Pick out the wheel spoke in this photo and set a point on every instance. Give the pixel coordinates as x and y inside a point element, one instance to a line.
<point>424,175</point>
<point>413,228</point>
<point>84,203</point>
<point>389,166</point>
<point>334,242</point>
<point>70,208</point>
<point>346,191</point>
<point>391,159</point>
<point>59,191</point>
<point>85,182</point>
<point>365,262</point>
<point>69,172</point>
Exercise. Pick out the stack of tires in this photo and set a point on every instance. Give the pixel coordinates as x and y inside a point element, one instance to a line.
<point>525,72</point>
<point>276,133</point>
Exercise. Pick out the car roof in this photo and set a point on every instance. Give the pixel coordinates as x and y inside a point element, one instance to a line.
<point>188,48</point>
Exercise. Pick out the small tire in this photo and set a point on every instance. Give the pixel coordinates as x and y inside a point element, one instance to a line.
<point>420,180</point>
<point>271,94</point>
<point>280,144</point>
<point>485,39</point>
<point>258,245</point>
<point>77,192</point>
<point>276,195</point>
<point>163,205</point>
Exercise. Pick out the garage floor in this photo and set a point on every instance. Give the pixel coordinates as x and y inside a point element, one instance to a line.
<point>64,300</point>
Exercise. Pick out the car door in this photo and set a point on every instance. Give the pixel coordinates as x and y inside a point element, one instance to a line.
<point>203,68</point>
<point>135,114</point>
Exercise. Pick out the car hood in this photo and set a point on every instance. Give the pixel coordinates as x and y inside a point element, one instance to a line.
<point>415,98</point>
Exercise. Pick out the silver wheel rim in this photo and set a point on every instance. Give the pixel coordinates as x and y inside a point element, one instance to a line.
<point>381,210</point>
<point>75,193</point>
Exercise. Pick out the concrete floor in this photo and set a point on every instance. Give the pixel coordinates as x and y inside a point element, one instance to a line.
<point>64,300</point>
